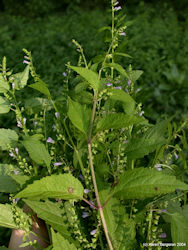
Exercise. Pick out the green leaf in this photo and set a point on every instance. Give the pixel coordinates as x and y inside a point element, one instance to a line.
<point>8,184</point>
<point>41,87</point>
<point>6,216</point>
<point>89,76</point>
<point>122,54</point>
<point>63,186</point>
<point>37,104</point>
<point>20,79</point>
<point>7,136</point>
<point>179,223</point>
<point>79,115</point>
<point>59,242</point>
<point>121,228</point>
<point>4,86</point>
<point>4,106</point>
<point>37,150</point>
<point>20,179</point>
<point>120,95</point>
<point>3,248</point>
<point>119,68</point>
<point>136,75</point>
<point>126,99</point>
<point>141,183</point>
<point>51,213</point>
<point>153,138</point>
<point>105,28</point>
<point>118,120</point>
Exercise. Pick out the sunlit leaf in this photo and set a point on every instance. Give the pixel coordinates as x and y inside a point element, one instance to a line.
<point>37,150</point>
<point>62,186</point>
<point>7,137</point>
<point>59,242</point>
<point>4,106</point>
<point>20,79</point>
<point>4,86</point>
<point>88,75</point>
<point>41,87</point>
<point>141,183</point>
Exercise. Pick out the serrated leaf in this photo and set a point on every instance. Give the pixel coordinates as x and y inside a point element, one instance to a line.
<point>179,223</point>
<point>121,229</point>
<point>79,115</point>
<point>6,216</point>
<point>4,86</point>
<point>7,136</point>
<point>37,150</point>
<point>4,106</point>
<point>51,213</point>
<point>41,87</point>
<point>63,186</point>
<point>20,79</point>
<point>117,121</point>
<point>119,68</point>
<point>141,183</point>
<point>88,75</point>
<point>59,242</point>
<point>150,141</point>
<point>136,75</point>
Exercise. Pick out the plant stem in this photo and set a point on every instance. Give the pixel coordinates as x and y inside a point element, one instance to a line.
<point>93,174</point>
<point>112,69</point>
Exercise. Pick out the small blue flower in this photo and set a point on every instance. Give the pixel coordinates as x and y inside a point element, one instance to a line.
<point>81,177</point>
<point>58,164</point>
<point>176,156</point>
<point>108,84</point>
<point>50,140</point>
<point>93,232</point>
<point>57,114</point>
<point>86,191</point>
<point>16,150</point>
<point>26,62</point>
<point>122,34</point>
<point>16,172</point>
<point>64,74</point>
<point>163,235</point>
<point>126,141</point>
<point>158,167</point>
<point>117,8</point>
<point>85,215</point>
<point>141,113</point>
<point>163,210</point>
<point>118,87</point>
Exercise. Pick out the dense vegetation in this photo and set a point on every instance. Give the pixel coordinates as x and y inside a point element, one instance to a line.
<point>156,38</point>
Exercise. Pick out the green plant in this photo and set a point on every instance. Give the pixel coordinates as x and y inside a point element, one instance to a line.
<point>89,163</point>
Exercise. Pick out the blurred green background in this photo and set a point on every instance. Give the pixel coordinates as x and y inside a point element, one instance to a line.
<point>157,40</point>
